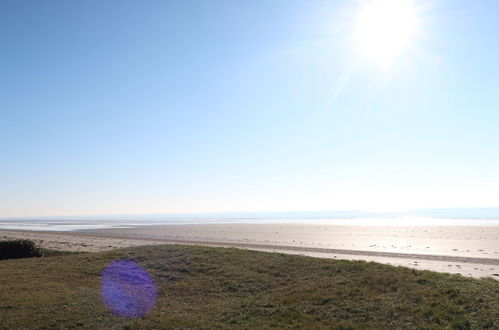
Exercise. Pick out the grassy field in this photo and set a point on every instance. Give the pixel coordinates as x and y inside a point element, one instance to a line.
<point>201,287</point>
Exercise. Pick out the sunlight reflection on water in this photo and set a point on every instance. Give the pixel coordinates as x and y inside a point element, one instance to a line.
<point>88,224</point>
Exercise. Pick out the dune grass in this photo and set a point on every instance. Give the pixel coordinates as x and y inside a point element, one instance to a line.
<point>202,287</point>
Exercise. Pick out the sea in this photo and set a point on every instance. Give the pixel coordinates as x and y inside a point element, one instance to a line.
<point>79,223</point>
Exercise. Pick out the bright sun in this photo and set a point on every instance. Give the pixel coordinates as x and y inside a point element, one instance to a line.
<point>385,28</point>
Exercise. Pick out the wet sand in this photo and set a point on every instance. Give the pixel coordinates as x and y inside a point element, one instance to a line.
<point>467,250</point>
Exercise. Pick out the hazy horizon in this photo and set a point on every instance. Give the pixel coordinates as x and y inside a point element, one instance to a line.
<point>457,213</point>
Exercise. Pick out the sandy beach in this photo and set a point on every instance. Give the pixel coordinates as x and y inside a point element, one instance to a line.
<point>467,250</point>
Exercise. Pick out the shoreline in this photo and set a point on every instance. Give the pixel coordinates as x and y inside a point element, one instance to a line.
<point>479,263</point>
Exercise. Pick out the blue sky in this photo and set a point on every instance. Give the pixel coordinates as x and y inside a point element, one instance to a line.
<point>115,107</point>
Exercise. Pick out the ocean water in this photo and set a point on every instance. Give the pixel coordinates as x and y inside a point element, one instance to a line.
<point>128,221</point>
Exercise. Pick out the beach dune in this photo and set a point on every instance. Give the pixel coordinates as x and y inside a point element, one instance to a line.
<point>467,250</point>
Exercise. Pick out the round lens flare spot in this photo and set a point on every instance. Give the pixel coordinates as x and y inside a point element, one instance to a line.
<point>127,289</point>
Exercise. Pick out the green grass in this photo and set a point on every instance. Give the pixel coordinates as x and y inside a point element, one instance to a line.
<point>56,253</point>
<point>201,287</point>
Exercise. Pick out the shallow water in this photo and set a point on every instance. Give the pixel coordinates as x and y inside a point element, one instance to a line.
<point>103,222</point>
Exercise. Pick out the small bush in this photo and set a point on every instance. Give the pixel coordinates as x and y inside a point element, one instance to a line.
<point>21,248</point>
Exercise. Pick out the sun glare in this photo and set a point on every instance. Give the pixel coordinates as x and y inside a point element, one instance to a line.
<point>385,28</point>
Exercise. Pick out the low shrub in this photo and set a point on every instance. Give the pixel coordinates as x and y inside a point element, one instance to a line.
<point>21,248</point>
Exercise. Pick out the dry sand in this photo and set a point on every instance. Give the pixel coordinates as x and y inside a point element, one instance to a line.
<point>467,250</point>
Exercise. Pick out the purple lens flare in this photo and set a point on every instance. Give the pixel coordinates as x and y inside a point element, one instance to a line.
<point>127,289</point>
